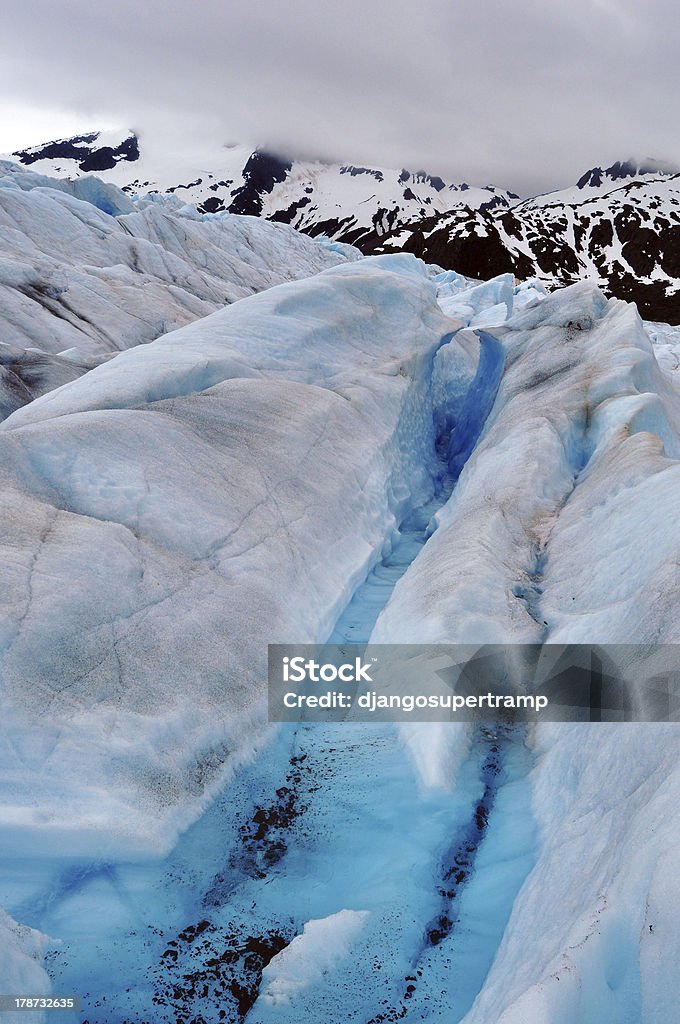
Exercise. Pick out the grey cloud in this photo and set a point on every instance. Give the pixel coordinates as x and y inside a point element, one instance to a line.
<point>526,95</point>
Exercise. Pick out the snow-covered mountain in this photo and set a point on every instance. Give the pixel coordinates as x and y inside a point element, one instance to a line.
<point>619,228</point>
<point>345,202</point>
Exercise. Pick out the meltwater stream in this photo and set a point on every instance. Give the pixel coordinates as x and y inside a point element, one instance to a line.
<point>356,622</point>
<point>326,833</point>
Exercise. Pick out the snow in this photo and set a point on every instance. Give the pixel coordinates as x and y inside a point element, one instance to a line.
<point>608,818</point>
<point>581,383</point>
<point>334,196</point>
<point>659,181</point>
<point>165,162</point>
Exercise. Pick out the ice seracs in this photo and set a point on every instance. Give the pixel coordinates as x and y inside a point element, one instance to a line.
<point>85,273</point>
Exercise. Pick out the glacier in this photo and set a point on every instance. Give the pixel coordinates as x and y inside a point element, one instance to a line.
<point>547,538</point>
<point>381,451</point>
<point>86,273</point>
<point>256,459</point>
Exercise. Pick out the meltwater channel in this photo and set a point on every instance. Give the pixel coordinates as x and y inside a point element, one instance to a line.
<point>324,842</point>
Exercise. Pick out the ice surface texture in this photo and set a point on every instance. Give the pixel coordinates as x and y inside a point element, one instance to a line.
<point>563,527</point>
<point>21,970</point>
<point>85,273</point>
<point>232,483</point>
<point>179,507</point>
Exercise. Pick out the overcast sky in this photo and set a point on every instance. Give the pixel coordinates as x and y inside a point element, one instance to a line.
<point>525,94</point>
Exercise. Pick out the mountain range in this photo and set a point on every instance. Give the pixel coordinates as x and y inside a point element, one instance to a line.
<point>618,226</point>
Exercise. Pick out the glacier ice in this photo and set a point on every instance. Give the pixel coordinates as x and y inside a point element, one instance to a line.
<point>239,475</point>
<point>83,269</point>
<point>549,536</point>
<point>308,957</point>
<point>21,965</point>
<point>268,472</point>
